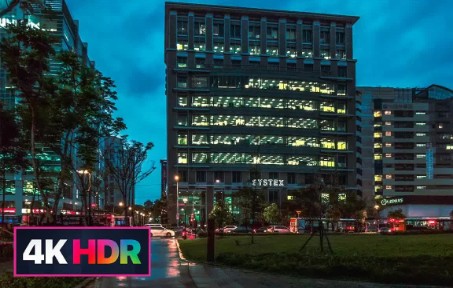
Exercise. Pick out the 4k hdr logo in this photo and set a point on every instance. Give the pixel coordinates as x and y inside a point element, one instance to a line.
<point>81,251</point>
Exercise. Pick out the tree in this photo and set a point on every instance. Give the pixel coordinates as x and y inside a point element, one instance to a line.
<point>220,214</point>
<point>125,167</point>
<point>11,156</point>
<point>396,214</point>
<point>271,214</point>
<point>25,55</point>
<point>81,115</point>
<point>67,111</point>
<point>250,201</point>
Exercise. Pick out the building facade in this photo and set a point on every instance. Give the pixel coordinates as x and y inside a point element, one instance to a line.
<point>411,151</point>
<point>20,187</point>
<point>255,98</point>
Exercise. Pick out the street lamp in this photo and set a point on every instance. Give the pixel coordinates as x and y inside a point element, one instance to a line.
<point>185,210</point>
<point>177,200</point>
<point>88,190</point>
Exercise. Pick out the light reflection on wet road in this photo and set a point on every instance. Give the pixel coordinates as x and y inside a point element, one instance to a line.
<point>165,269</point>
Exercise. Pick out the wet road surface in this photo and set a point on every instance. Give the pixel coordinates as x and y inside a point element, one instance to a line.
<point>166,269</point>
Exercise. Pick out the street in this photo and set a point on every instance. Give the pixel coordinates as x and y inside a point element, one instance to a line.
<point>166,270</point>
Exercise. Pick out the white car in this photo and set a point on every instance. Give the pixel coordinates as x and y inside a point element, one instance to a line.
<point>229,228</point>
<point>154,225</point>
<point>159,231</point>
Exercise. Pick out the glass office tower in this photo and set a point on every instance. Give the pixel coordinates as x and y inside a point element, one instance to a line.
<point>256,95</point>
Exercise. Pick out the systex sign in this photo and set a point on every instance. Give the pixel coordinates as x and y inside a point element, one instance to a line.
<point>81,251</point>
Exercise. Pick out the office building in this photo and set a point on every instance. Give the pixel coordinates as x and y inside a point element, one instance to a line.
<point>411,151</point>
<point>256,98</point>
<point>55,17</point>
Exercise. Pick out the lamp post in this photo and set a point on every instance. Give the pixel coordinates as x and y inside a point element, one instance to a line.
<point>121,204</point>
<point>88,190</point>
<point>177,200</point>
<point>185,210</point>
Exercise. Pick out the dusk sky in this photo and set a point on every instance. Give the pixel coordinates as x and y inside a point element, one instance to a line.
<point>404,43</point>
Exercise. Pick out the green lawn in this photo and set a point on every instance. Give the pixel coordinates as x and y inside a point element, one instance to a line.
<point>420,259</point>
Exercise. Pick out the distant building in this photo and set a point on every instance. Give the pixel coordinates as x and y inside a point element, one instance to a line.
<point>409,162</point>
<point>256,98</point>
<point>163,179</point>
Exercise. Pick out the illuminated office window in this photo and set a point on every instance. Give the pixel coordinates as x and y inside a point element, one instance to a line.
<point>254,48</point>
<point>342,145</point>
<point>377,156</point>
<point>388,133</point>
<point>182,158</point>
<point>327,143</point>
<point>325,53</point>
<point>303,141</point>
<point>181,62</point>
<point>199,157</point>
<point>307,53</point>
<point>182,45</point>
<point>377,145</point>
<point>388,176</point>
<point>387,112</point>
<point>200,101</point>
<point>327,161</point>
<point>199,139</point>
<point>341,197</point>
<point>219,47</point>
<point>388,123</point>
<point>235,48</point>
<point>377,134</point>
<point>182,101</point>
<point>378,178</point>
<point>341,108</point>
<point>302,161</point>
<point>388,144</point>
<point>327,125</point>
<point>200,120</point>
<point>182,139</point>
<point>388,187</point>
<point>291,50</point>
<point>327,107</point>
<point>272,49</point>
<point>199,45</point>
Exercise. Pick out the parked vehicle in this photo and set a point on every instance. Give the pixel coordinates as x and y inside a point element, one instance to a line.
<point>260,230</point>
<point>154,225</point>
<point>385,230</point>
<point>157,231</point>
<point>227,229</point>
<point>278,229</point>
<point>241,229</point>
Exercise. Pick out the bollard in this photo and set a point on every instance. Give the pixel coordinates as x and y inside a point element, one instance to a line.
<point>211,238</point>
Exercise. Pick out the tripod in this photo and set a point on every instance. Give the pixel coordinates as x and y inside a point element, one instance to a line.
<point>322,234</point>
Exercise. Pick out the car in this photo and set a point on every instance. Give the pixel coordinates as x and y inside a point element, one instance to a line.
<point>157,231</point>
<point>241,229</point>
<point>154,225</point>
<point>385,230</point>
<point>260,230</point>
<point>278,229</point>
<point>228,228</point>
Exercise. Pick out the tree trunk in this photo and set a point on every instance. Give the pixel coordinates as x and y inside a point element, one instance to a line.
<point>35,165</point>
